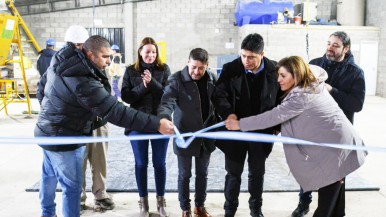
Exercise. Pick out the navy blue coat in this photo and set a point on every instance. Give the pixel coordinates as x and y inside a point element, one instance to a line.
<point>347,81</point>
<point>44,60</point>
<point>74,97</point>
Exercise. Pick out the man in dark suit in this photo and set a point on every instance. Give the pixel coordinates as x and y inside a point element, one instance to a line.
<point>246,86</point>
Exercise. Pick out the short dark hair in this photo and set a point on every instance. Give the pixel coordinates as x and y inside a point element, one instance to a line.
<point>253,42</point>
<point>200,55</point>
<point>343,37</point>
<point>95,43</point>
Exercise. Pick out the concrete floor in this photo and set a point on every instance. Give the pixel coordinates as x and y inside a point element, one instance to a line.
<point>20,168</point>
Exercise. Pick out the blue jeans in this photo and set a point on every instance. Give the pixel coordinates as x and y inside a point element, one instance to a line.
<point>184,175</point>
<point>141,151</point>
<point>67,169</point>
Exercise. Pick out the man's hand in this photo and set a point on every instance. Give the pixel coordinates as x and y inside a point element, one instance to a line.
<point>166,127</point>
<point>231,123</point>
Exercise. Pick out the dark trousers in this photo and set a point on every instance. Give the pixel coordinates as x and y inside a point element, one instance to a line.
<point>184,175</point>
<point>331,200</point>
<point>305,197</point>
<point>141,152</point>
<point>256,164</point>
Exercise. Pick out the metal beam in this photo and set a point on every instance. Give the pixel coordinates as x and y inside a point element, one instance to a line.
<point>20,3</point>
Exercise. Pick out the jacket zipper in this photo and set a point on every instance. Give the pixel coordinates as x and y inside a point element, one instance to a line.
<point>304,153</point>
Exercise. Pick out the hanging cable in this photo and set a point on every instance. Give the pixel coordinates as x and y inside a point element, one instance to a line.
<point>307,23</point>
<point>93,16</point>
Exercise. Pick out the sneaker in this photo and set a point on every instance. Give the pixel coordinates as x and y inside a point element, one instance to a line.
<point>301,210</point>
<point>201,212</point>
<point>106,203</point>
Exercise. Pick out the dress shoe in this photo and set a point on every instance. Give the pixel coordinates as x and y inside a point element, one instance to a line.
<point>301,210</point>
<point>256,213</point>
<point>201,212</point>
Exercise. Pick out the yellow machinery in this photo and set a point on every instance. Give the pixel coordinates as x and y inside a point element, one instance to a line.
<point>9,36</point>
<point>162,47</point>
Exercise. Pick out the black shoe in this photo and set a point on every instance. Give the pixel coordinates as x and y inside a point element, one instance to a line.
<point>301,210</point>
<point>256,213</point>
<point>106,204</point>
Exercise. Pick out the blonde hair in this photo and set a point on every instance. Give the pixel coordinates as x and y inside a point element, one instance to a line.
<point>299,69</point>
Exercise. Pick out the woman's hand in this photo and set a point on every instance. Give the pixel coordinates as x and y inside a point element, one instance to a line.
<point>231,123</point>
<point>146,77</point>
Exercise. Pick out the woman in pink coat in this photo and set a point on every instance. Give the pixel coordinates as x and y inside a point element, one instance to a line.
<point>308,112</point>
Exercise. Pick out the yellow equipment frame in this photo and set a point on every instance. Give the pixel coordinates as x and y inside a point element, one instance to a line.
<point>162,47</point>
<point>9,89</point>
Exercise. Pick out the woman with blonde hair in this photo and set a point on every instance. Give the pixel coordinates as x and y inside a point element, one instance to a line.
<point>308,112</point>
<point>142,87</point>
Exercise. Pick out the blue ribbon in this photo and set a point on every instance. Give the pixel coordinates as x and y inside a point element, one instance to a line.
<point>220,135</point>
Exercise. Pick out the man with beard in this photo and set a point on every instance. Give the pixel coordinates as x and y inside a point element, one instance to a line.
<point>346,84</point>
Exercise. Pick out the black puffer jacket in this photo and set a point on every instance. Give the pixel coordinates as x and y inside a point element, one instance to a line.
<point>98,122</point>
<point>138,96</point>
<point>74,96</point>
<point>348,83</point>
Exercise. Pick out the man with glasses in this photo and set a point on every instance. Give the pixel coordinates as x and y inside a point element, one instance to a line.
<point>188,94</point>
<point>246,86</point>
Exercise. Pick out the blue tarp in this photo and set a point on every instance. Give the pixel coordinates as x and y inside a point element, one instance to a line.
<point>260,11</point>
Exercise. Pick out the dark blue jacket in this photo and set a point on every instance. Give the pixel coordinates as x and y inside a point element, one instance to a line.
<point>347,81</point>
<point>44,60</point>
<point>74,97</point>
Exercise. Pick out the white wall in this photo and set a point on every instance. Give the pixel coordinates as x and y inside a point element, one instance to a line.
<point>375,16</point>
<point>186,24</point>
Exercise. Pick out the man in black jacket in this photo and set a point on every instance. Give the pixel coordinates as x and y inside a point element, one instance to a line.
<point>346,84</point>
<point>45,57</point>
<point>246,86</point>
<point>188,95</point>
<point>73,97</point>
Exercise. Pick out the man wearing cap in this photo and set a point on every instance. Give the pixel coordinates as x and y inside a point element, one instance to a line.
<point>46,56</point>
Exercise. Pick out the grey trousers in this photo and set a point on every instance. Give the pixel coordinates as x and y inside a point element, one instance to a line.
<point>96,155</point>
